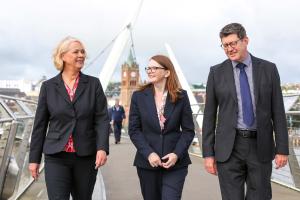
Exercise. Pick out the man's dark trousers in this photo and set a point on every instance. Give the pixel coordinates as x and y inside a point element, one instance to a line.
<point>117,130</point>
<point>243,167</point>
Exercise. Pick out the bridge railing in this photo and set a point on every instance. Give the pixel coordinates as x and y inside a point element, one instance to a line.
<point>16,121</point>
<point>289,175</point>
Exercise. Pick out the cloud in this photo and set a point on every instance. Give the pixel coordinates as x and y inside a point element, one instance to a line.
<point>31,29</point>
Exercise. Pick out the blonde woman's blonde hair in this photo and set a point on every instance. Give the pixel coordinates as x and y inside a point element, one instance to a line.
<point>62,48</point>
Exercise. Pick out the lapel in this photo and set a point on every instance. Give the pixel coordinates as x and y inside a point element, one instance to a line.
<point>228,73</point>
<point>60,88</point>
<point>151,107</point>
<point>256,76</point>
<point>83,80</point>
<point>169,107</point>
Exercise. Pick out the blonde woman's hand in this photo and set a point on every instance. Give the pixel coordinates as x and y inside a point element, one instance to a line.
<point>34,170</point>
<point>101,159</point>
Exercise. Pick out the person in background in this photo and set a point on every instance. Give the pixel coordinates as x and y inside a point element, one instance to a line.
<point>70,127</point>
<point>110,119</point>
<point>244,105</point>
<point>117,116</point>
<point>161,128</point>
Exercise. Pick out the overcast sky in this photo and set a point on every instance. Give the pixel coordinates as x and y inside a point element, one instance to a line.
<point>30,30</point>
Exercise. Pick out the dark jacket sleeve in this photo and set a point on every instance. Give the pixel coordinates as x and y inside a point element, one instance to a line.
<point>209,119</point>
<point>135,129</point>
<point>101,120</point>
<point>123,115</point>
<point>278,116</point>
<point>39,128</point>
<point>187,128</point>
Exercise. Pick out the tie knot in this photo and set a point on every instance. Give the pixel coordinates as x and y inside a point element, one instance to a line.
<point>241,66</point>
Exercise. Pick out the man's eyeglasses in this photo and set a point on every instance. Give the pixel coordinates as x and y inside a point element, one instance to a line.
<point>152,69</point>
<point>231,44</point>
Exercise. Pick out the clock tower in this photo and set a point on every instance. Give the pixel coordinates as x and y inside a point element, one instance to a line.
<point>130,80</point>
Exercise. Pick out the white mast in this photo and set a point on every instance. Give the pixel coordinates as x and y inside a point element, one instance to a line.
<point>117,49</point>
<point>185,85</point>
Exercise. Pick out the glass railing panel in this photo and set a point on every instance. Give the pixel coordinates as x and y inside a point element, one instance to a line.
<point>4,133</point>
<point>15,108</point>
<point>32,107</point>
<point>20,154</point>
<point>3,113</point>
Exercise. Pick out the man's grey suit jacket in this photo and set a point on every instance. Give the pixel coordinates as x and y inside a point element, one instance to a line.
<point>221,109</point>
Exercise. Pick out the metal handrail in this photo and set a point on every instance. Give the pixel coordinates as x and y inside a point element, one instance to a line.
<point>6,120</point>
<point>17,99</point>
<point>291,172</point>
<point>284,173</point>
<point>14,159</point>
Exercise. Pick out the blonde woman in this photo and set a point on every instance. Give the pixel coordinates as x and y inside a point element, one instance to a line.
<point>70,127</point>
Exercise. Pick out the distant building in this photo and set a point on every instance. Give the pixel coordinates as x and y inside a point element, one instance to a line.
<point>113,90</point>
<point>22,85</point>
<point>13,92</point>
<point>130,80</point>
<point>28,87</point>
<point>200,95</point>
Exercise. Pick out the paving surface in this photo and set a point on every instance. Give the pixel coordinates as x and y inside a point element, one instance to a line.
<point>121,181</point>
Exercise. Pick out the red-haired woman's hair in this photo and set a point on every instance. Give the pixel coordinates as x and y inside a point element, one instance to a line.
<point>172,85</point>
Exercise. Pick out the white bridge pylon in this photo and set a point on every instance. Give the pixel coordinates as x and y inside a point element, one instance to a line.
<point>185,85</point>
<point>117,49</point>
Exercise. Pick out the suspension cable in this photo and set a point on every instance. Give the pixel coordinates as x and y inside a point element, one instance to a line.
<point>104,49</point>
<point>132,45</point>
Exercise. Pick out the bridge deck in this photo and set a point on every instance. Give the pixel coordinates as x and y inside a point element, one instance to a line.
<point>121,182</point>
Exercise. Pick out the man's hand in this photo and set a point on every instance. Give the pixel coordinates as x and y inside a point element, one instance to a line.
<point>34,170</point>
<point>171,160</point>
<point>154,160</point>
<point>100,159</point>
<point>210,165</point>
<point>280,160</point>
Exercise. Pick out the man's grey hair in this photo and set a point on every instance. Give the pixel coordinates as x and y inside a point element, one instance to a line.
<point>233,28</point>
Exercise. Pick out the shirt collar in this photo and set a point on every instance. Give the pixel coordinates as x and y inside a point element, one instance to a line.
<point>247,61</point>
